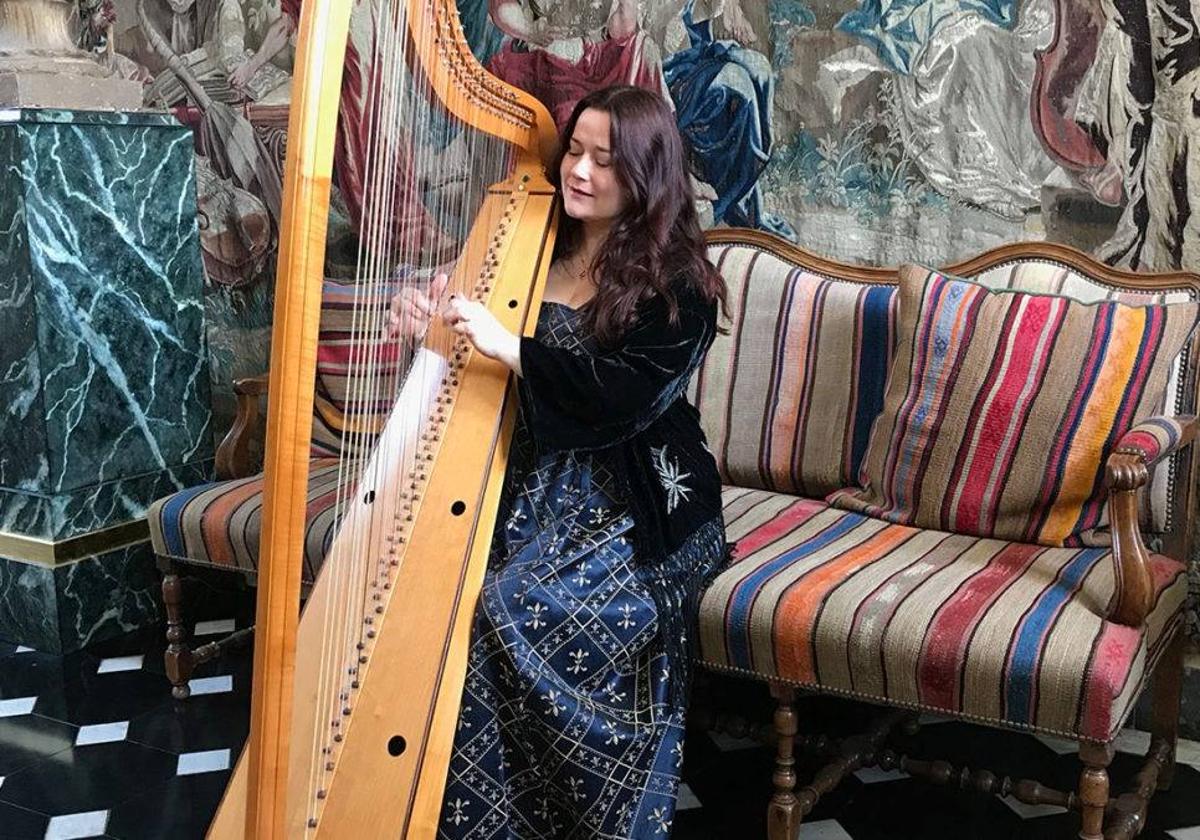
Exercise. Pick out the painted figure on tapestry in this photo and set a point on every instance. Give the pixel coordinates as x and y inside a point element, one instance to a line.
<point>609,526</point>
<point>724,98</point>
<point>412,227</point>
<point>208,36</point>
<point>1139,101</point>
<point>561,50</point>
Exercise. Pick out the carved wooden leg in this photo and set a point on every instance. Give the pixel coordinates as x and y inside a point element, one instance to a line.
<point>178,658</point>
<point>1167,688</point>
<point>783,812</point>
<point>1093,788</point>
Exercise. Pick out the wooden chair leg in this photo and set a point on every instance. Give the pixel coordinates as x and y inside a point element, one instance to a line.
<point>178,657</point>
<point>1167,689</point>
<point>783,812</point>
<point>1093,788</point>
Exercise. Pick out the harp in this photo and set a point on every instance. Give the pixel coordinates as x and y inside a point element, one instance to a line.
<point>354,702</point>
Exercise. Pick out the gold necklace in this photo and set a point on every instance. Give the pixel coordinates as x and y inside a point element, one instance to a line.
<point>574,266</point>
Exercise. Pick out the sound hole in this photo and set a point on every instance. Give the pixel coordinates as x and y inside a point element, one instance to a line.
<point>369,498</point>
<point>458,508</point>
<point>512,304</point>
<point>396,745</point>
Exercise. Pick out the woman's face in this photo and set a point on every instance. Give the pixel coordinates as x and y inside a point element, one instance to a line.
<point>591,192</point>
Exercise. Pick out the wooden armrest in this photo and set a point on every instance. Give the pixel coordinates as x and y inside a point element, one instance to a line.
<point>233,455</point>
<point>251,385</point>
<point>1125,473</point>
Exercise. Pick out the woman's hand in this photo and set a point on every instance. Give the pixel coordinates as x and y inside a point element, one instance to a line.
<point>472,319</point>
<point>412,309</point>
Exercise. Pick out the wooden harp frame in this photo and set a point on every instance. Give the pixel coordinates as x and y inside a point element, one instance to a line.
<point>415,692</point>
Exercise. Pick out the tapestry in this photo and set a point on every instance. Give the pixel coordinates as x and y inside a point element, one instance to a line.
<point>873,131</point>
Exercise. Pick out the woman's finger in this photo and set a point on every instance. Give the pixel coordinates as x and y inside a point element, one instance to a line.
<point>438,287</point>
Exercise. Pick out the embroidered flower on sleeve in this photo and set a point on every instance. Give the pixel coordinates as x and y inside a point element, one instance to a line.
<point>671,477</point>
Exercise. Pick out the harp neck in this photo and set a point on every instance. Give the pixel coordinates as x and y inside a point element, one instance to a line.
<point>471,93</point>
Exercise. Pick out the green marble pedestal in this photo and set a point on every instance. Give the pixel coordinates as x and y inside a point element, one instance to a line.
<point>104,387</point>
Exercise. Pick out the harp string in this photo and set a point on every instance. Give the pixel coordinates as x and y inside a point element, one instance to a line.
<point>403,241</point>
<point>339,656</point>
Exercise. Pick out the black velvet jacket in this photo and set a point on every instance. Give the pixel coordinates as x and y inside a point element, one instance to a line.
<point>631,401</point>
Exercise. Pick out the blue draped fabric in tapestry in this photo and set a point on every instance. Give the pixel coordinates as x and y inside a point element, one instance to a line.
<point>569,727</point>
<point>723,94</point>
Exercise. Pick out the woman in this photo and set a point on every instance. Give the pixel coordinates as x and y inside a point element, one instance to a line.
<point>610,522</point>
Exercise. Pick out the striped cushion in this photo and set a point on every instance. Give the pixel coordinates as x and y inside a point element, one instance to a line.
<point>1002,408</point>
<point>787,398</point>
<point>1042,275</point>
<point>995,631</point>
<point>220,524</point>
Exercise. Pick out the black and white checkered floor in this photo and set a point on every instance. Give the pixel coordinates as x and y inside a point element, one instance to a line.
<point>91,744</point>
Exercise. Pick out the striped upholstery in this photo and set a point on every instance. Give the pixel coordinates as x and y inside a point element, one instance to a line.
<point>219,524</point>
<point>990,630</point>
<point>1003,407</point>
<point>1040,275</point>
<point>346,313</point>
<point>1154,438</point>
<point>788,397</point>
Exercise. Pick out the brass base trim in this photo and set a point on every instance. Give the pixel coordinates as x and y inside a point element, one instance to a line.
<point>53,553</point>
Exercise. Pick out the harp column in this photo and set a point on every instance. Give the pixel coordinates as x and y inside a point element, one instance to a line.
<point>104,382</point>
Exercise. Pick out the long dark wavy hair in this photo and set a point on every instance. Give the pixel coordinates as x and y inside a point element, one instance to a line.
<point>656,240</point>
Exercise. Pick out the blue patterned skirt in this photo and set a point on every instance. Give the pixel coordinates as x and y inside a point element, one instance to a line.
<point>567,728</point>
